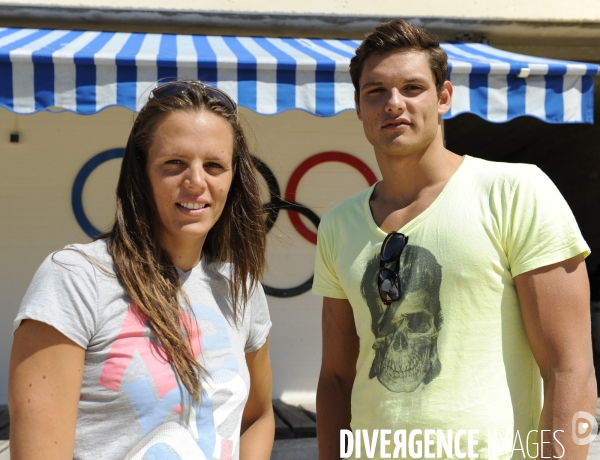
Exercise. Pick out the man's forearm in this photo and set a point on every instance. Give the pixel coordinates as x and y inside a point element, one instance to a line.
<point>565,394</point>
<point>333,415</point>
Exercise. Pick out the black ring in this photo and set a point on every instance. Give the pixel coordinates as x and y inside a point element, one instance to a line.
<point>272,209</point>
<point>273,206</point>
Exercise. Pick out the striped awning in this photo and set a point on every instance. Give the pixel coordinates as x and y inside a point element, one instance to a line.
<point>86,72</point>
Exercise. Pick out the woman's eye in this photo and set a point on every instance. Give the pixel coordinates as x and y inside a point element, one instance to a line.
<point>214,165</point>
<point>174,162</point>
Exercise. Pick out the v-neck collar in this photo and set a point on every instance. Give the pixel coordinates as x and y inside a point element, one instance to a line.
<point>422,216</point>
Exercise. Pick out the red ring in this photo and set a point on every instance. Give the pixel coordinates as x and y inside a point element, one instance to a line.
<point>304,167</point>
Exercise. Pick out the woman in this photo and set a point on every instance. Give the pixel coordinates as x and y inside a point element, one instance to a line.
<point>146,343</point>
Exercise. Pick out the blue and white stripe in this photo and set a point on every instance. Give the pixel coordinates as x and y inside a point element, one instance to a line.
<point>498,85</point>
<point>85,72</point>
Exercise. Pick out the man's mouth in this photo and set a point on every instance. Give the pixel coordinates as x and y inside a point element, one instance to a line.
<point>395,123</point>
<point>192,205</point>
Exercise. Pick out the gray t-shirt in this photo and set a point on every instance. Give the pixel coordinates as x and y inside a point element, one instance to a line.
<point>132,405</point>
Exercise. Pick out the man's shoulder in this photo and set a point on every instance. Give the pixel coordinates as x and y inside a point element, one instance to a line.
<point>500,169</point>
<point>488,173</point>
<point>349,207</point>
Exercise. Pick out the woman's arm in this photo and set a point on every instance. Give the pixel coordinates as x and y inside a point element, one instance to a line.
<point>44,383</point>
<point>258,422</point>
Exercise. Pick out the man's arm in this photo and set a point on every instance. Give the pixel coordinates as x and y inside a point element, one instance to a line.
<point>555,305</point>
<point>258,422</point>
<point>338,369</point>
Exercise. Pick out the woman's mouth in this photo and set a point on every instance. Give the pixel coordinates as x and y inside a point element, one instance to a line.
<point>192,205</point>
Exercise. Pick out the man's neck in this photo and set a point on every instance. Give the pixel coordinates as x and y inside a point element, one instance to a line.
<point>407,177</point>
<point>411,182</point>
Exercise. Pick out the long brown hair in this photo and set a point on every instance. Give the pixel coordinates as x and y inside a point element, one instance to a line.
<point>144,267</point>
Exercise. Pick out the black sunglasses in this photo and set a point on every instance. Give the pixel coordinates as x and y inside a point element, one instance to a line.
<point>181,87</point>
<point>388,280</point>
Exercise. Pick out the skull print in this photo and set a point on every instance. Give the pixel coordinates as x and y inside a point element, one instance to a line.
<point>406,331</point>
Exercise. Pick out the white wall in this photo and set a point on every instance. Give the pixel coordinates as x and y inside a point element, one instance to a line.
<point>535,10</point>
<point>36,178</point>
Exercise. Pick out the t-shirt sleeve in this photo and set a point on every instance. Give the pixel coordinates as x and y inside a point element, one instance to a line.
<point>63,294</point>
<point>260,320</point>
<point>326,282</point>
<point>542,229</point>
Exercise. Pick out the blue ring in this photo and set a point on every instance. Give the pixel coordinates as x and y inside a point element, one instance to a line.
<point>77,192</point>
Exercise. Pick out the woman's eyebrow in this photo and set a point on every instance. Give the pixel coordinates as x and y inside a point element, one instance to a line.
<point>166,153</point>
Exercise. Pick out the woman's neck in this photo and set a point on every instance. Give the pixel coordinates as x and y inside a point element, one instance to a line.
<point>185,254</point>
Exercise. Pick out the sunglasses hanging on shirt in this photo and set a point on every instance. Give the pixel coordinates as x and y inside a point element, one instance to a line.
<point>388,279</point>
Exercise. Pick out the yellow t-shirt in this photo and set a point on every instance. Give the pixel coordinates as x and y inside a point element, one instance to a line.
<point>451,353</point>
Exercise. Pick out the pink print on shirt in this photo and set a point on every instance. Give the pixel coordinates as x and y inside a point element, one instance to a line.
<point>131,339</point>
<point>226,449</point>
<point>155,397</point>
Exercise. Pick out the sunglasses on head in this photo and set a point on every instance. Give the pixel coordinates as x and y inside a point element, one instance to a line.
<point>174,88</point>
<point>388,280</point>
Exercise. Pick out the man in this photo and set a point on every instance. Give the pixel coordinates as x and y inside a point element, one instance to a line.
<point>479,287</point>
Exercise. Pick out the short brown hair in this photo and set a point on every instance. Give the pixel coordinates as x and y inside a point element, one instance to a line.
<point>400,34</point>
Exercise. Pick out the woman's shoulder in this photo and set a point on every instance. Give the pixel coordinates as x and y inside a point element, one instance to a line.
<point>88,256</point>
<point>65,291</point>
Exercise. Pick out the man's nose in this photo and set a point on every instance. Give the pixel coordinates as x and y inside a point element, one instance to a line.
<point>395,101</point>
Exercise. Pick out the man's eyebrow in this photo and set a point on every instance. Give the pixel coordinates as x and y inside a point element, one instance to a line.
<point>404,82</point>
<point>371,83</point>
<point>416,80</point>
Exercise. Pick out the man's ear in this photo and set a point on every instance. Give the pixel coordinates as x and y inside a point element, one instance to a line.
<point>357,104</point>
<point>445,99</point>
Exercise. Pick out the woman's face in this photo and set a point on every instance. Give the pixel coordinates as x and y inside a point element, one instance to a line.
<point>190,168</point>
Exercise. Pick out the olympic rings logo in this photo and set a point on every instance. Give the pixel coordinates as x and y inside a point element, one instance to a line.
<point>272,208</point>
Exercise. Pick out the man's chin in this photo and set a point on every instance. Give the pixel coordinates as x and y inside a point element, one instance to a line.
<point>400,149</point>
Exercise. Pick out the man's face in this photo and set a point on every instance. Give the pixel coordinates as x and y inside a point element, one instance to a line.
<point>398,104</point>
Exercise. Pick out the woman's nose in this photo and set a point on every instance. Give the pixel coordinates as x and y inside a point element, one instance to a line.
<point>195,177</point>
